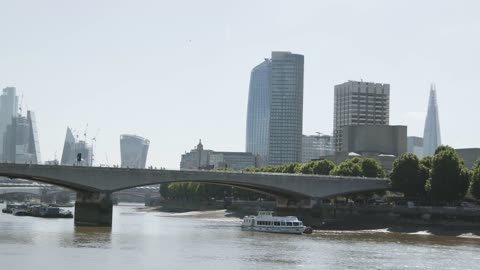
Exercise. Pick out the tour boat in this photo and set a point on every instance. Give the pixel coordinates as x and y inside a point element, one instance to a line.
<point>266,222</point>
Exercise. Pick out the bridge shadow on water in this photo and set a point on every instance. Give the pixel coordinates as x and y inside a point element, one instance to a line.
<point>89,237</point>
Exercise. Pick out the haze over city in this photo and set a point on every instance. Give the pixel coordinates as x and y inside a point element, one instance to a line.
<point>178,72</point>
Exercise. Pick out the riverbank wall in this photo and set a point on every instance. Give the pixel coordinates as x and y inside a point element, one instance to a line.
<point>380,217</point>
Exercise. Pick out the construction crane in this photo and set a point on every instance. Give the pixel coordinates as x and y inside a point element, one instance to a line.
<point>93,141</point>
<point>85,133</point>
<point>20,105</point>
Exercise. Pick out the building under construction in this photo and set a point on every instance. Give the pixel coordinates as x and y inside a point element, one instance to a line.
<point>76,152</point>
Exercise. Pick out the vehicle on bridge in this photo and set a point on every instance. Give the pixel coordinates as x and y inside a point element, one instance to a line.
<point>266,222</point>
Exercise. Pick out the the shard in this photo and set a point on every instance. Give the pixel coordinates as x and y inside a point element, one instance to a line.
<point>431,134</point>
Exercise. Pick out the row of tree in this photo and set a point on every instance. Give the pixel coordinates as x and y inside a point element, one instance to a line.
<point>441,178</point>
<point>366,167</point>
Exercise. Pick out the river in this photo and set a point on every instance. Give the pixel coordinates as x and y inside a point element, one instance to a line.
<point>154,240</point>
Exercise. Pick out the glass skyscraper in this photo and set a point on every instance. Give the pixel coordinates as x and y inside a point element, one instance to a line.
<point>133,150</point>
<point>286,108</point>
<point>20,140</point>
<point>8,111</point>
<point>431,134</point>
<point>258,112</point>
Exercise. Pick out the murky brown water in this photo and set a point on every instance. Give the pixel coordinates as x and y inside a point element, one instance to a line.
<point>140,240</point>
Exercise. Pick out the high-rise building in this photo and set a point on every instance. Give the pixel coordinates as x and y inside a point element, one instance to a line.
<point>133,151</point>
<point>316,146</point>
<point>359,103</point>
<point>258,112</point>
<point>286,108</point>
<point>415,146</point>
<point>431,134</point>
<point>20,144</point>
<point>8,111</point>
<point>76,152</point>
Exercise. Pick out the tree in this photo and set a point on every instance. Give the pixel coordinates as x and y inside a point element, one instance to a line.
<point>427,162</point>
<point>322,167</point>
<point>371,168</point>
<point>350,167</point>
<point>409,176</point>
<point>319,167</point>
<point>289,168</point>
<point>442,148</point>
<point>475,183</point>
<point>449,179</point>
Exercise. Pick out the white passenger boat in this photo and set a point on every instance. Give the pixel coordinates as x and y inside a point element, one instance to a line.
<point>266,222</point>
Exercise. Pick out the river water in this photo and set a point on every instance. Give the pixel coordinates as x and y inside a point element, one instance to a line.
<point>153,240</point>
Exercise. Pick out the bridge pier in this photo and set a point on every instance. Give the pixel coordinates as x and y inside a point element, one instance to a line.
<point>93,209</point>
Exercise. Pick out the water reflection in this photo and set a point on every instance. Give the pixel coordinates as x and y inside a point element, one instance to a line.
<point>420,238</point>
<point>89,237</point>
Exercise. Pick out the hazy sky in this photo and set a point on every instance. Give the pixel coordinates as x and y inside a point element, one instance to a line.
<point>177,71</point>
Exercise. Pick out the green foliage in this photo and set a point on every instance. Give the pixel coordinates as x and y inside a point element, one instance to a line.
<point>371,168</point>
<point>359,167</point>
<point>320,167</point>
<point>351,167</point>
<point>449,179</point>
<point>475,183</point>
<point>442,148</point>
<point>427,162</point>
<point>409,176</point>
<point>289,168</point>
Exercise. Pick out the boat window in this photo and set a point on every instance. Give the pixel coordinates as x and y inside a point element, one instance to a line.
<point>283,223</point>
<point>276,223</point>
<point>289,223</point>
<point>295,223</point>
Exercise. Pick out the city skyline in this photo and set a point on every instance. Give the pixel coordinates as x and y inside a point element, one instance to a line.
<point>81,79</point>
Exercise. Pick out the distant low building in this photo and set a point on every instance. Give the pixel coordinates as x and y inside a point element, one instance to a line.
<point>381,142</point>
<point>375,140</point>
<point>415,146</point>
<point>232,160</point>
<point>469,156</point>
<point>195,159</point>
<point>199,158</point>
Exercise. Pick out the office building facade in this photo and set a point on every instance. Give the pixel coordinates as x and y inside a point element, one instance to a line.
<point>20,140</point>
<point>316,146</point>
<point>286,108</point>
<point>431,134</point>
<point>359,103</point>
<point>374,140</point>
<point>133,151</point>
<point>258,111</point>
<point>415,146</point>
<point>232,160</point>
<point>8,111</point>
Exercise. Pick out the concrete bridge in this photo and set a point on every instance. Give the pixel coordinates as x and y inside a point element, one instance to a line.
<point>94,185</point>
